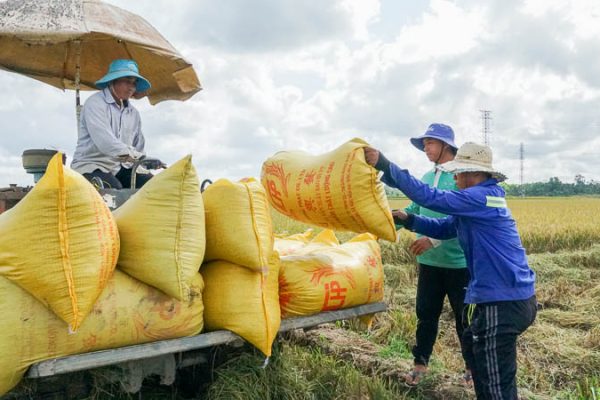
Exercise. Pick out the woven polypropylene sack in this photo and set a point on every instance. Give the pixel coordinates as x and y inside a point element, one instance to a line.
<point>243,301</point>
<point>336,190</point>
<point>238,223</point>
<point>331,277</point>
<point>60,243</point>
<point>162,230</point>
<point>127,312</point>
<point>324,239</point>
<point>289,244</point>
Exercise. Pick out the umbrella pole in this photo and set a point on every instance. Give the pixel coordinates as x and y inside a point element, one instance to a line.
<point>77,82</point>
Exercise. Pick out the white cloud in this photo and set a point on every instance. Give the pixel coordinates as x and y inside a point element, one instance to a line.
<point>445,30</point>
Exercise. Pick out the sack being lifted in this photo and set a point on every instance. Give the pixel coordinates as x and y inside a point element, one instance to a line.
<point>324,276</point>
<point>337,190</point>
<point>60,243</point>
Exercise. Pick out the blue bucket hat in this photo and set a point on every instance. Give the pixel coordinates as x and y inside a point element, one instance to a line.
<point>120,69</point>
<point>440,132</point>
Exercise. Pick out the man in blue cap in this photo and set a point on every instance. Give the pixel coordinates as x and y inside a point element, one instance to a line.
<point>110,135</point>
<point>442,265</point>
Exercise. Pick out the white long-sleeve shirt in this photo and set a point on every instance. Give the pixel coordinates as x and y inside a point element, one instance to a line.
<point>106,132</point>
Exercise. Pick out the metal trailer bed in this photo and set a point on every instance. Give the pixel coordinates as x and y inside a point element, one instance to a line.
<point>180,346</point>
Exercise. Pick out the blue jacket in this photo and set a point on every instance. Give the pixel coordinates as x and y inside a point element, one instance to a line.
<point>488,234</point>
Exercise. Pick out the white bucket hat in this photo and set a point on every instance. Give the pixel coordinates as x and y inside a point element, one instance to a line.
<point>473,157</point>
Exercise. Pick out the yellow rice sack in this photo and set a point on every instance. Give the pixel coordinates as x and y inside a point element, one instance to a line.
<point>331,277</point>
<point>336,190</point>
<point>324,239</point>
<point>60,243</point>
<point>162,230</point>
<point>128,312</point>
<point>243,301</point>
<point>238,223</point>
<point>289,244</point>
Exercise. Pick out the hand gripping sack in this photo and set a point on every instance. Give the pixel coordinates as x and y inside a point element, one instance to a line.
<point>238,223</point>
<point>331,277</point>
<point>162,230</point>
<point>60,243</point>
<point>336,190</point>
<point>243,301</point>
<point>127,312</point>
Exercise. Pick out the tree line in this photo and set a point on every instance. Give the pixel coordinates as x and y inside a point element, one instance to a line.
<point>553,187</point>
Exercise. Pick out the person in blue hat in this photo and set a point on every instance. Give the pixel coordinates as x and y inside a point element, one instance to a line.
<point>442,265</point>
<point>110,135</point>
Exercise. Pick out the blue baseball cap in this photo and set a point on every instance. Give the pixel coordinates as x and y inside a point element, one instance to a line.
<point>439,132</point>
<point>120,69</point>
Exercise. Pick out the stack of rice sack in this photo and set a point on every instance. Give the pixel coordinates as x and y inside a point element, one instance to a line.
<point>337,190</point>
<point>59,291</point>
<point>324,275</point>
<point>241,268</point>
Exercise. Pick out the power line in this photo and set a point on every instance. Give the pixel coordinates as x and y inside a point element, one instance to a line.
<point>522,157</point>
<point>486,130</point>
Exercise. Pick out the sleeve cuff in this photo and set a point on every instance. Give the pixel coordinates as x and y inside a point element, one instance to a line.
<point>383,164</point>
<point>407,223</point>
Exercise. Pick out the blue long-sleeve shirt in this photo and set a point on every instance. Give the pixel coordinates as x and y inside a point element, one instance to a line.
<point>485,228</point>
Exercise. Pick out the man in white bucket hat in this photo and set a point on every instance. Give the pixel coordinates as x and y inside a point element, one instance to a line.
<point>110,134</point>
<point>501,292</point>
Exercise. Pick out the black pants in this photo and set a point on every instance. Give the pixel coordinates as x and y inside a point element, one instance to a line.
<point>490,345</point>
<point>434,284</point>
<point>122,180</point>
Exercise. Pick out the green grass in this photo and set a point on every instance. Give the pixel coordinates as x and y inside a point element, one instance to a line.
<point>396,346</point>
<point>295,373</point>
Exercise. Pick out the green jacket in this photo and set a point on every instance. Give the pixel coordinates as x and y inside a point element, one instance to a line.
<point>448,253</point>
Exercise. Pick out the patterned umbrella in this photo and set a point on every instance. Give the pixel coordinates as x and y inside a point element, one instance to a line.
<point>69,44</point>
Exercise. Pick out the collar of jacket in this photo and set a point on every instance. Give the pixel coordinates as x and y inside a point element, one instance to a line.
<point>109,99</point>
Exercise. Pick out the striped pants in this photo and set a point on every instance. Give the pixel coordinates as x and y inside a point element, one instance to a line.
<point>490,346</point>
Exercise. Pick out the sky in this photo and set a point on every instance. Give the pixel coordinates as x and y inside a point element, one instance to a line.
<point>310,75</point>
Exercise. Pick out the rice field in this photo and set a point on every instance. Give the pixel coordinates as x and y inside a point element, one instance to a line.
<point>549,224</point>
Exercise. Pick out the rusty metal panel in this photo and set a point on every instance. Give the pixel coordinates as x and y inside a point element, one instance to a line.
<point>10,196</point>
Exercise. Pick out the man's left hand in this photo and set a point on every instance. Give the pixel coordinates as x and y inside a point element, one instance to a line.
<point>371,156</point>
<point>153,163</point>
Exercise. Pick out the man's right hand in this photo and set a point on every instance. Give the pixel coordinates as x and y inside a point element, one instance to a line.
<point>131,157</point>
<point>420,246</point>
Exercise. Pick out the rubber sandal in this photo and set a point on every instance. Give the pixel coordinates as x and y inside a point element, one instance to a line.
<point>467,379</point>
<point>412,375</point>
